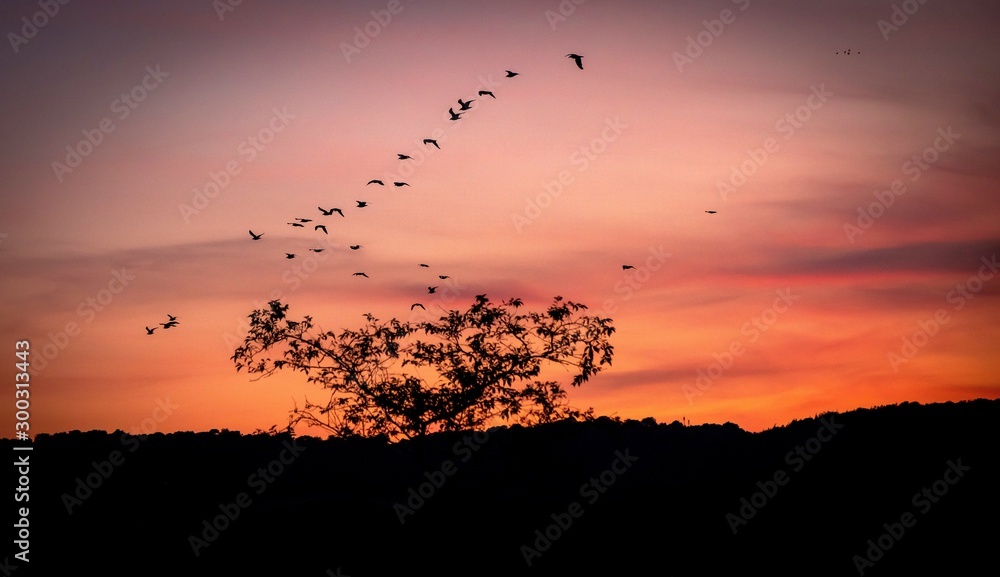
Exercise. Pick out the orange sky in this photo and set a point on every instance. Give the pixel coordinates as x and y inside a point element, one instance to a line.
<point>757,113</point>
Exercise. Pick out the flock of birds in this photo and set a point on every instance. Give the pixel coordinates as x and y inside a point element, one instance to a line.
<point>171,322</point>
<point>300,222</point>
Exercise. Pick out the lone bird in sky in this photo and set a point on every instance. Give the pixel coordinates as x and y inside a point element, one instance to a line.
<point>432,289</point>
<point>487,93</point>
<point>432,141</point>
<point>404,157</point>
<point>454,116</point>
<point>331,211</point>
<point>360,274</point>
<point>378,182</point>
<point>711,211</point>
<point>424,265</point>
<point>289,255</point>
<point>255,236</point>
<point>443,276</point>
<point>511,74</point>
<point>465,105</point>
<point>627,266</point>
<point>576,58</point>
<point>414,305</point>
<point>398,184</point>
<point>149,331</point>
<point>362,203</point>
<point>355,246</point>
<point>321,227</point>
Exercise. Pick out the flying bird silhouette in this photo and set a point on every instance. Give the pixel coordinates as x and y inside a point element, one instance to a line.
<point>432,141</point>
<point>169,324</point>
<point>149,331</point>
<point>362,203</point>
<point>289,255</point>
<point>304,219</point>
<point>300,225</point>
<point>355,246</point>
<point>404,157</point>
<point>577,58</point>
<point>424,265</point>
<point>316,249</point>
<point>378,182</point>
<point>511,74</point>
<point>711,211</point>
<point>360,274</point>
<point>432,289</point>
<point>454,116</point>
<point>331,211</point>
<point>398,184</point>
<point>487,93</point>
<point>171,317</point>
<point>413,306</point>
<point>443,276</point>
<point>255,236</point>
<point>465,105</point>
<point>321,227</point>
<point>627,266</point>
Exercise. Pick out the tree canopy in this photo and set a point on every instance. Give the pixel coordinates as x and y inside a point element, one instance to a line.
<point>408,379</point>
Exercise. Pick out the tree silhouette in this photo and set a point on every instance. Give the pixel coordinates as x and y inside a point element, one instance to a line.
<point>405,380</point>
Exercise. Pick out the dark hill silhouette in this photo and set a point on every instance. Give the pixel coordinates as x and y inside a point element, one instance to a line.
<point>664,506</point>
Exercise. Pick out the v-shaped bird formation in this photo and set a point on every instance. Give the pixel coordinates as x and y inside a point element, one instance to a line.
<point>464,106</point>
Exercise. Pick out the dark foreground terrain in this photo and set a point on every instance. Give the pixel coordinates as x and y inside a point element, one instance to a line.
<point>895,490</point>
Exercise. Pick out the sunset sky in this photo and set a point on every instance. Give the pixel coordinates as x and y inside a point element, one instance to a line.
<point>856,195</point>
